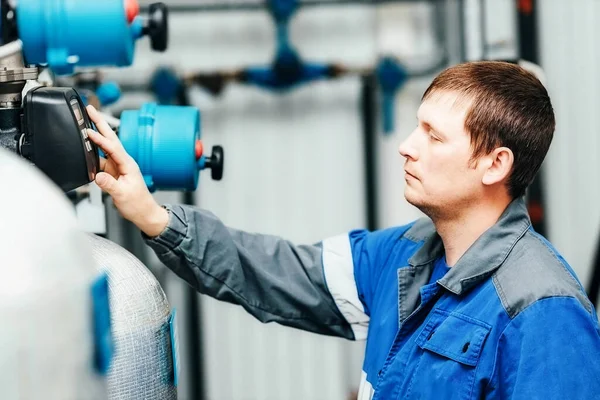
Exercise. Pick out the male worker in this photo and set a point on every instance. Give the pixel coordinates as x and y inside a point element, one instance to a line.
<point>469,303</point>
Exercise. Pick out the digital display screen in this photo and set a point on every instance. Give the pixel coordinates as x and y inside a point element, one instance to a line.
<point>77,111</point>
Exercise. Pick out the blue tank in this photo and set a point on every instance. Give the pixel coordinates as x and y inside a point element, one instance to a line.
<point>164,141</point>
<point>87,33</point>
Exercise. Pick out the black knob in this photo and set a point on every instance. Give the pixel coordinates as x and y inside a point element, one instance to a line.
<point>215,163</point>
<point>157,26</point>
<point>8,25</point>
<point>26,150</point>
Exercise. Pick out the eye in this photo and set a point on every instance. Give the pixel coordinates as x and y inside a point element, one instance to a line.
<point>431,134</point>
<point>433,137</point>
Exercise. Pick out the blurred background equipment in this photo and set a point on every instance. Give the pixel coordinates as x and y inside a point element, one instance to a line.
<point>311,99</point>
<point>300,91</point>
<point>47,125</point>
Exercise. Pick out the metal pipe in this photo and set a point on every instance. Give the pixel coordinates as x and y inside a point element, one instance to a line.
<point>483,28</point>
<point>241,6</point>
<point>11,48</point>
<point>369,125</point>
<point>194,316</point>
<point>529,51</point>
<point>462,40</point>
<point>594,286</point>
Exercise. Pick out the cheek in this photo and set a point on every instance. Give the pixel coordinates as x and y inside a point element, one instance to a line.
<point>450,167</point>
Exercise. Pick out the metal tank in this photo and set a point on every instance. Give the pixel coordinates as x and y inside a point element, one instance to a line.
<point>145,359</point>
<point>55,339</point>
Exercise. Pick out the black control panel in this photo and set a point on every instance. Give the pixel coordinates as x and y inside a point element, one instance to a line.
<point>55,139</point>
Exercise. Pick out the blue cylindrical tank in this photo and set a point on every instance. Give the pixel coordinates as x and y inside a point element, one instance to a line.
<point>65,33</point>
<point>163,142</point>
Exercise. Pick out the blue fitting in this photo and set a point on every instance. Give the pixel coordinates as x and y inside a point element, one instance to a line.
<point>288,66</point>
<point>165,85</point>
<point>108,93</point>
<point>282,10</point>
<point>269,78</point>
<point>391,76</point>
<point>103,337</point>
<point>68,33</point>
<point>162,140</point>
<point>202,163</point>
<point>287,71</point>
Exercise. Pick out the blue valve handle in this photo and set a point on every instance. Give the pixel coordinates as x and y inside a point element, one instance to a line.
<point>391,76</point>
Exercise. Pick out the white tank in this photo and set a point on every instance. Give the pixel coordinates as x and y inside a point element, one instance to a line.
<point>47,341</point>
<point>144,366</point>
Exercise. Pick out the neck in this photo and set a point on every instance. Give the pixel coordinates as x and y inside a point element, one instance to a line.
<point>463,229</point>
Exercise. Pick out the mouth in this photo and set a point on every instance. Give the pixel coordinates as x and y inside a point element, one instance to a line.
<point>409,175</point>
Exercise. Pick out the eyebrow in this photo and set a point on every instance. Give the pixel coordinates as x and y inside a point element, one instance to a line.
<point>433,128</point>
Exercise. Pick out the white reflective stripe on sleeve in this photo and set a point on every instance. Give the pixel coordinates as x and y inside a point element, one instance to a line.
<point>339,275</point>
<point>365,390</point>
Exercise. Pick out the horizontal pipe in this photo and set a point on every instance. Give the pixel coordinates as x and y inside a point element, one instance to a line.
<point>241,6</point>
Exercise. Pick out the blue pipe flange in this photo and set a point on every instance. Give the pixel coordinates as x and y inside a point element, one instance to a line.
<point>391,76</point>
<point>108,93</point>
<point>166,85</point>
<point>165,143</point>
<point>68,33</point>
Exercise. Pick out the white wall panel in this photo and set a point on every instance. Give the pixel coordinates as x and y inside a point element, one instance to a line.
<point>294,162</point>
<point>570,55</point>
<point>295,168</point>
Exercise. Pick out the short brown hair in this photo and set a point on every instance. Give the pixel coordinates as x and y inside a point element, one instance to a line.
<point>509,107</point>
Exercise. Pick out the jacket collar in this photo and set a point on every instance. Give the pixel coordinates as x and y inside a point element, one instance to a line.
<point>484,256</point>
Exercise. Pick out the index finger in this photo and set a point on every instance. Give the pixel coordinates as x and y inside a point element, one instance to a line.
<point>124,163</point>
<point>101,124</point>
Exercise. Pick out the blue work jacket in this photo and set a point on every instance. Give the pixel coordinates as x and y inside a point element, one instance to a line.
<point>509,320</point>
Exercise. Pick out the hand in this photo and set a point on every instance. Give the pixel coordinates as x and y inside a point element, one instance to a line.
<point>122,180</point>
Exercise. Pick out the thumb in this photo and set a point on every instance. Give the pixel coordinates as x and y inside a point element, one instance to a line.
<point>107,183</point>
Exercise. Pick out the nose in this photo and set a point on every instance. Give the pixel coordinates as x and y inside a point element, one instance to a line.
<point>407,149</point>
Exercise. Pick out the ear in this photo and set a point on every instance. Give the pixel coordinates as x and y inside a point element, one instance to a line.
<point>499,165</point>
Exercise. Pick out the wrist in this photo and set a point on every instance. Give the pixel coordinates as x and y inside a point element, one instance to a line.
<point>155,222</point>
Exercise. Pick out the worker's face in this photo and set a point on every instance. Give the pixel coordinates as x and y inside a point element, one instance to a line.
<point>440,177</point>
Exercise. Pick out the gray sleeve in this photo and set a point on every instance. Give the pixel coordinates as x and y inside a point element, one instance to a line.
<point>270,277</point>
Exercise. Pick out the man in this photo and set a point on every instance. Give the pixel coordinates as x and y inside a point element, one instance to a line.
<point>469,303</point>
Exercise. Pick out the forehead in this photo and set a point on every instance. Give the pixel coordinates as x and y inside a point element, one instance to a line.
<point>445,111</point>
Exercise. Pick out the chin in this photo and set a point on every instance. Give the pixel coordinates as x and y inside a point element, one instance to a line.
<point>421,204</point>
<point>412,195</point>
<point>413,199</point>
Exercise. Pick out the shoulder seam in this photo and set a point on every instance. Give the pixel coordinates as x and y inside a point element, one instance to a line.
<point>557,259</point>
<point>571,278</point>
<point>512,319</point>
<point>512,312</point>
